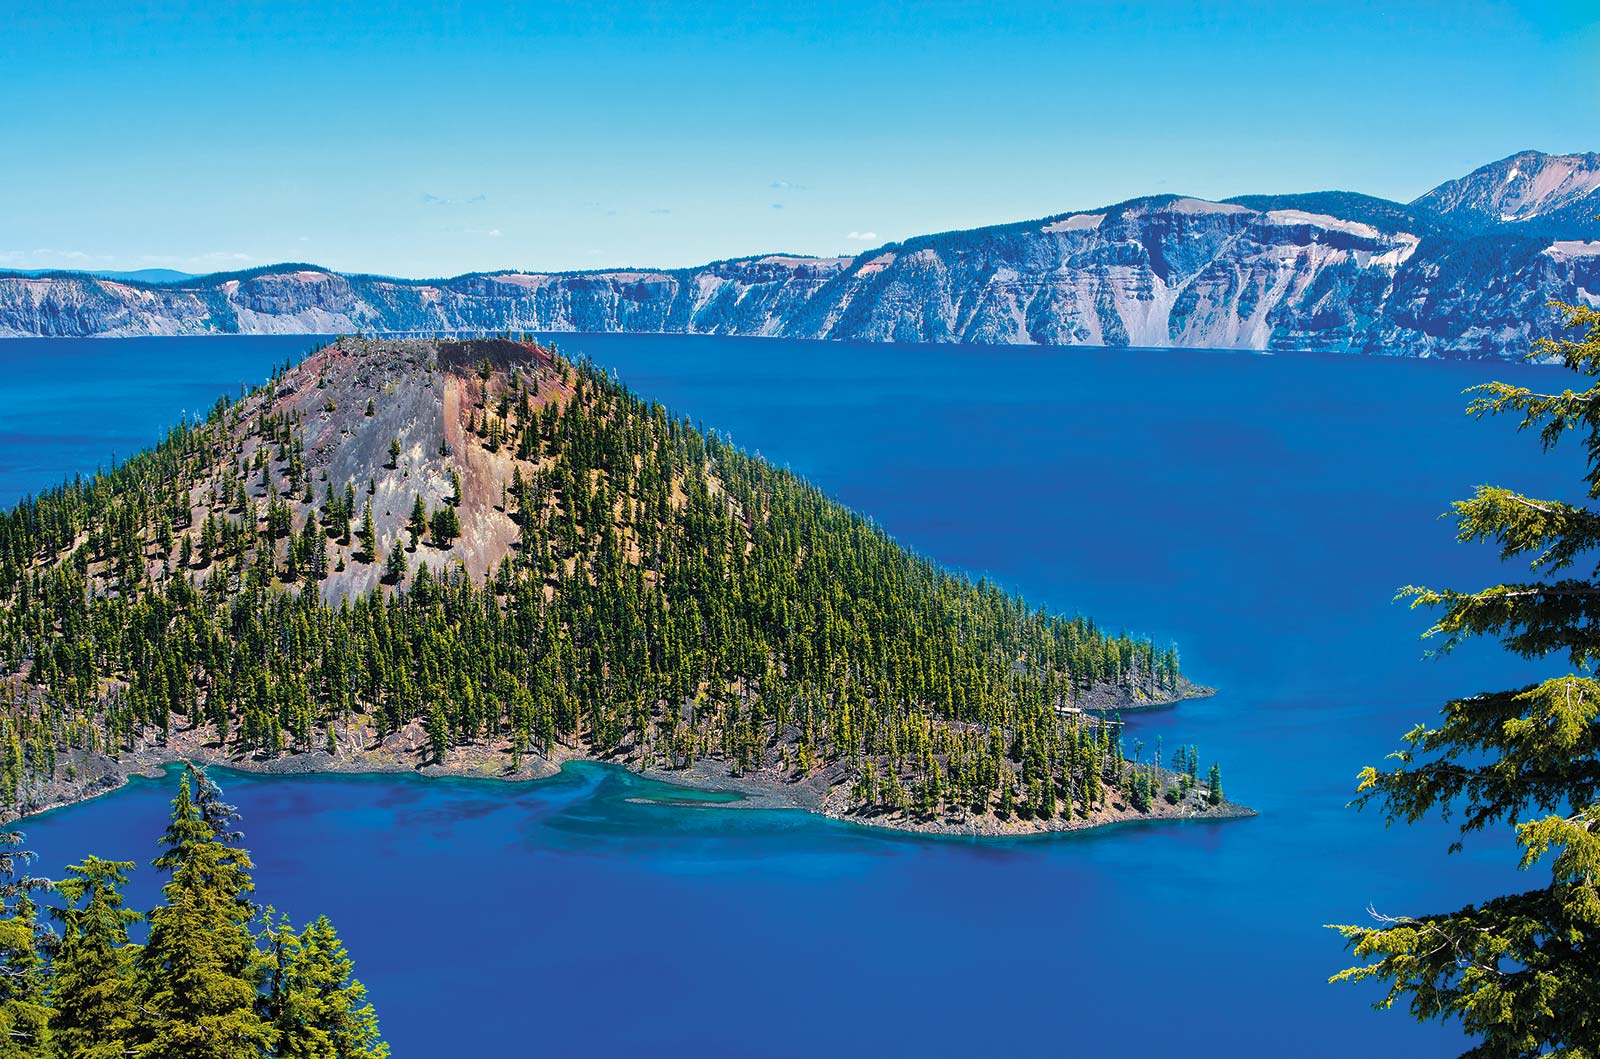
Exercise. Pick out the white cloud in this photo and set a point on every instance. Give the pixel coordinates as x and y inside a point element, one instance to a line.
<point>430,199</point>
<point>210,260</point>
<point>48,257</point>
<point>784,185</point>
<point>82,260</point>
<point>862,237</point>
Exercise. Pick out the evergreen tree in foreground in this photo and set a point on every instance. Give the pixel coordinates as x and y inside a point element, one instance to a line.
<point>24,1032</point>
<point>317,1007</point>
<point>205,985</point>
<point>1521,971</point>
<point>94,994</point>
<point>201,970</point>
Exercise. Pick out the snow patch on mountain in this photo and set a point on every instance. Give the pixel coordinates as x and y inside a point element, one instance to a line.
<point>1329,272</point>
<point>1321,220</point>
<point>1570,248</point>
<point>1078,222</point>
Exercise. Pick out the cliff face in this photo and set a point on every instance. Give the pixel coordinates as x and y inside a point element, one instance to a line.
<point>1554,194</point>
<point>1464,271</point>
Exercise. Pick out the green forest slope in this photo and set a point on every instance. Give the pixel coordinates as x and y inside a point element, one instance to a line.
<point>479,557</point>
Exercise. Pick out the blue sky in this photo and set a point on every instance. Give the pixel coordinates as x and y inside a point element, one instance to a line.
<point>427,139</point>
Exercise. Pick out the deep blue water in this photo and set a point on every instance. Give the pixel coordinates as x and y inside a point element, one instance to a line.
<point>1258,510</point>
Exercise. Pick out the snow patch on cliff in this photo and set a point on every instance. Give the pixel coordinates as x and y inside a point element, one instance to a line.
<point>1323,221</point>
<point>1202,206</point>
<point>1567,249</point>
<point>1078,222</point>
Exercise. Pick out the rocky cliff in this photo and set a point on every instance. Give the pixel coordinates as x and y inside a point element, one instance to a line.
<point>1464,271</point>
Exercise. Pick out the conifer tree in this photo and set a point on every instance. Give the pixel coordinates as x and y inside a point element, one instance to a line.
<point>346,510</point>
<point>1521,972</point>
<point>200,967</point>
<point>315,1003</point>
<point>369,535</point>
<point>445,526</point>
<point>24,1017</point>
<point>311,550</point>
<point>93,993</point>
<point>418,524</point>
<point>394,570</point>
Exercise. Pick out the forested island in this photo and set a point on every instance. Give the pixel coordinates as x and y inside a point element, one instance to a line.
<point>480,558</point>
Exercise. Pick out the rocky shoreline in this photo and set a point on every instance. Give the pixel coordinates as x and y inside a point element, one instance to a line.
<point>80,776</point>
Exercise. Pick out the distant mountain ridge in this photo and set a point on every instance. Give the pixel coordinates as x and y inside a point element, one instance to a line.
<point>138,275</point>
<point>1465,270</point>
<point>1528,192</point>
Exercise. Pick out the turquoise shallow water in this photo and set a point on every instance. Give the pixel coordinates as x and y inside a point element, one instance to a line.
<point>1260,511</point>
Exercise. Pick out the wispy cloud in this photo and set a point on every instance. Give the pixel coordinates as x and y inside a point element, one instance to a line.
<point>777,205</point>
<point>660,211</point>
<point>862,237</point>
<point>430,199</point>
<point>47,257</point>
<point>785,185</point>
<point>214,260</point>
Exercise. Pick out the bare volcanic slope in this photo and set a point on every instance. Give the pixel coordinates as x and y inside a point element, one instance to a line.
<point>479,558</point>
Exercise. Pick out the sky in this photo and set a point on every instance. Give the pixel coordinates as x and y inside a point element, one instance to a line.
<point>429,139</point>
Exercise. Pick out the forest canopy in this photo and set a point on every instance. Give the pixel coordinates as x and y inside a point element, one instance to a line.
<point>483,545</point>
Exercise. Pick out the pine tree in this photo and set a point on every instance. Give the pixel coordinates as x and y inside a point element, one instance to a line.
<point>394,570</point>
<point>346,510</point>
<point>445,526</point>
<point>315,1003</point>
<point>438,732</point>
<point>24,1028</point>
<point>94,993</point>
<point>312,549</point>
<point>1520,971</point>
<point>200,967</point>
<point>1214,785</point>
<point>418,524</point>
<point>369,536</point>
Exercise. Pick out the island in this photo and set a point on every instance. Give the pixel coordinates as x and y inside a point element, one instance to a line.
<point>481,558</point>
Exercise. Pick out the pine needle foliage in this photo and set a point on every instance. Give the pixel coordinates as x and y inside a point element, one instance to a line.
<point>1519,972</point>
<point>218,978</point>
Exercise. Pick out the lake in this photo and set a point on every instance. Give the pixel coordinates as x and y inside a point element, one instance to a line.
<point>1259,511</point>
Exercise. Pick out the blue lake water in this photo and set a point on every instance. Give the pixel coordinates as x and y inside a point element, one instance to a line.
<point>1258,510</point>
